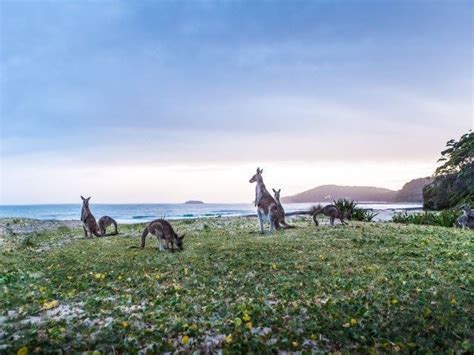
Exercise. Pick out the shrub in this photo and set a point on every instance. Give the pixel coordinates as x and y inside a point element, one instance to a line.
<point>356,213</point>
<point>345,205</point>
<point>445,218</point>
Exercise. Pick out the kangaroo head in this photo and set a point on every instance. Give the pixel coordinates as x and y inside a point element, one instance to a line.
<point>179,241</point>
<point>277,194</point>
<point>85,201</point>
<point>257,177</point>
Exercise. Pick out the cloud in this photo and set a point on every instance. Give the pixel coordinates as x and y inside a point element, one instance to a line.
<point>154,83</point>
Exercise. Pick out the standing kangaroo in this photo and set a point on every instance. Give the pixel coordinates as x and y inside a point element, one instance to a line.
<point>105,222</point>
<point>165,233</point>
<point>330,211</point>
<point>266,205</point>
<point>281,211</point>
<point>89,224</point>
<point>467,218</point>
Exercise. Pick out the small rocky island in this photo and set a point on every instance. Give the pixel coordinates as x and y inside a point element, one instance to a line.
<point>193,202</point>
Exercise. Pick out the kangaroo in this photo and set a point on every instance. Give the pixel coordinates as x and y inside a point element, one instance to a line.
<point>330,211</point>
<point>89,224</point>
<point>467,218</point>
<point>105,222</point>
<point>281,211</point>
<point>165,233</point>
<point>266,205</point>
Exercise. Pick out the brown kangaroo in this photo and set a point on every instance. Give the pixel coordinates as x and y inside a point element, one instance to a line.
<point>330,211</point>
<point>266,205</point>
<point>105,222</point>
<point>281,211</point>
<point>165,233</point>
<point>89,224</point>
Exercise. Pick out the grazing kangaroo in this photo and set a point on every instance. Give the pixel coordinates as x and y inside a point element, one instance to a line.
<point>281,211</point>
<point>89,224</point>
<point>330,211</point>
<point>165,233</point>
<point>266,205</point>
<point>105,222</point>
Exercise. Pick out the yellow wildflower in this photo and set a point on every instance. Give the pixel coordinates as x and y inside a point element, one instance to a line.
<point>185,340</point>
<point>248,325</point>
<point>228,338</point>
<point>353,321</point>
<point>453,301</point>
<point>295,344</point>
<point>246,317</point>
<point>125,324</point>
<point>394,301</point>
<point>49,305</point>
<point>22,351</point>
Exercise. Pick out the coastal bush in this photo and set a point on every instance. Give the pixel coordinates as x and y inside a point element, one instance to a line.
<point>345,205</point>
<point>356,213</point>
<point>454,180</point>
<point>445,218</point>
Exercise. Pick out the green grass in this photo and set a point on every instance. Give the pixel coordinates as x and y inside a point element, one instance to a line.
<point>382,287</point>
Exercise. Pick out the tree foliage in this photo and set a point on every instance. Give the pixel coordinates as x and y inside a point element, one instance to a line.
<point>454,179</point>
<point>458,156</point>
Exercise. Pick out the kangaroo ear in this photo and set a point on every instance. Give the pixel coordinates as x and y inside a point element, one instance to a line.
<point>82,197</point>
<point>274,190</point>
<point>88,198</point>
<point>279,190</point>
<point>182,237</point>
<point>258,170</point>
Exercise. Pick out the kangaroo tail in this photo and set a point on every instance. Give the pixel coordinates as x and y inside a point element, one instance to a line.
<point>287,226</point>
<point>144,234</point>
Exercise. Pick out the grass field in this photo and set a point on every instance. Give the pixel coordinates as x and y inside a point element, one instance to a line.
<point>365,287</point>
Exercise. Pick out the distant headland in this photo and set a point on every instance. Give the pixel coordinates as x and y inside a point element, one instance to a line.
<point>194,202</point>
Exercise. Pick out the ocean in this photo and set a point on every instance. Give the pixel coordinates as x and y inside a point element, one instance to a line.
<point>139,213</point>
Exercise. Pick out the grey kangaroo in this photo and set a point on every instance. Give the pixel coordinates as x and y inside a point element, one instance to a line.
<point>330,211</point>
<point>266,205</point>
<point>165,234</point>
<point>89,224</point>
<point>105,222</point>
<point>281,211</point>
<point>467,218</point>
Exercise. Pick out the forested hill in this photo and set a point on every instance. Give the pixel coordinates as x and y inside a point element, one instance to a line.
<point>411,192</point>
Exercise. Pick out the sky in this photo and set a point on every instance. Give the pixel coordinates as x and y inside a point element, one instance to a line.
<point>165,101</point>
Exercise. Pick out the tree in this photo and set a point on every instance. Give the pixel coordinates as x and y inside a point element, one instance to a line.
<point>454,179</point>
<point>458,156</point>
